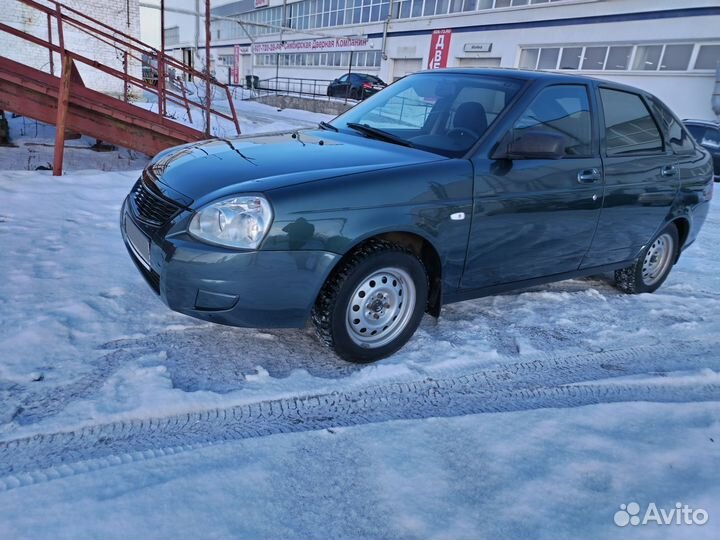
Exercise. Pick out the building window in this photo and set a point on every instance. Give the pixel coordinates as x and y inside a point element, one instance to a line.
<point>655,57</point>
<point>708,57</point>
<point>647,57</point>
<point>676,57</point>
<point>361,59</point>
<point>618,58</point>
<point>548,58</point>
<point>311,14</point>
<point>529,58</point>
<point>570,58</point>
<point>594,58</point>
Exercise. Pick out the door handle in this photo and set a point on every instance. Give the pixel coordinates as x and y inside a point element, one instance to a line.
<point>669,170</point>
<point>588,176</point>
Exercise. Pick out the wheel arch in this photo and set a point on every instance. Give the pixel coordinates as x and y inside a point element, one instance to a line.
<point>682,224</point>
<point>416,243</point>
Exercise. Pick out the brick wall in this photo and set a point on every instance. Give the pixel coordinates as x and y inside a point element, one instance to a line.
<point>123,15</point>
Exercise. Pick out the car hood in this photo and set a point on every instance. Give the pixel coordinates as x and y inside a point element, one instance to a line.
<point>217,167</point>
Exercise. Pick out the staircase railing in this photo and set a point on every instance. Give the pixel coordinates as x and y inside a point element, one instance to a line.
<point>62,17</point>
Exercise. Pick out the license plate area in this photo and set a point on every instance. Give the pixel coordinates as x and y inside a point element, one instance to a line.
<point>139,242</point>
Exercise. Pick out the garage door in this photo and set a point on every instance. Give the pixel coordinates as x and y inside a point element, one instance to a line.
<point>405,66</point>
<point>478,62</point>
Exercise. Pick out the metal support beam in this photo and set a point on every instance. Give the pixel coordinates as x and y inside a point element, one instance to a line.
<point>208,89</point>
<point>49,32</point>
<point>63,100</point>
<point>162,105</point>
<point>62,108</point>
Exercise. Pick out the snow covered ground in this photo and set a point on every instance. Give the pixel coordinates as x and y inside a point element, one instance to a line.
<point>534,414</point>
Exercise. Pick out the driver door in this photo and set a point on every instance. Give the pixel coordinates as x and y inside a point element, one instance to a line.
<point>341,87</point>
<point>537,217</point>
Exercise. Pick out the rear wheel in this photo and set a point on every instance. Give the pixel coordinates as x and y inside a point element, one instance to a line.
<point>371,306</point>
<point>653,266</point>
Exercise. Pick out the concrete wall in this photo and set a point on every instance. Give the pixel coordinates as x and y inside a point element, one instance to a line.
<point>325,106</point>
<point>124,15</point>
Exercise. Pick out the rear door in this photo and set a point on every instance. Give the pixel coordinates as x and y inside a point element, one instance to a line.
<point>536,217</point>
<point>642,177</point>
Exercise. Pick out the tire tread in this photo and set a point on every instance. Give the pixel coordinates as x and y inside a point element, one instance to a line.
<point>322,310</point>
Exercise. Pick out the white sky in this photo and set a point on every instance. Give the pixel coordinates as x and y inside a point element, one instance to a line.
<point>150,18</point>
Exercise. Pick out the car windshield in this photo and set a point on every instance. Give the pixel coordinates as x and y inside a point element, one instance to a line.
<point>445,114</point>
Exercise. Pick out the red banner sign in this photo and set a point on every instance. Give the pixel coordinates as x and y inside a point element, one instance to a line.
<point>439,48</point>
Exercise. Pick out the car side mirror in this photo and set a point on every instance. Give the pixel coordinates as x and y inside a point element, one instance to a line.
<point>531,144</point>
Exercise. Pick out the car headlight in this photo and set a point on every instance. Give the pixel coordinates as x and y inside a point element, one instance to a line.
<point>239,222</point>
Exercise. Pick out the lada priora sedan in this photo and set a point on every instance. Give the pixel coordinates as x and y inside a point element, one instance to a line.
<point>445,186</point>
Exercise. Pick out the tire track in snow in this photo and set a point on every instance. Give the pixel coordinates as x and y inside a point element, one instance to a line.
<point>541,383</point>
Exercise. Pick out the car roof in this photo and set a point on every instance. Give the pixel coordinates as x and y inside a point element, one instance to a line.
<point>699,122</point>
<point>536,75</point>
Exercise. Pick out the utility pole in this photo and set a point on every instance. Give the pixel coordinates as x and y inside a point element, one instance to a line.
<point>207,68</point>
<point>161,63</point>
<point>197,32</point>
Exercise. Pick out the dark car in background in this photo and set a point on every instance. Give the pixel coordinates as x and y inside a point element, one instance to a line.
<point>355,86</point>
<point>448,185</point>
<point>707,134</point>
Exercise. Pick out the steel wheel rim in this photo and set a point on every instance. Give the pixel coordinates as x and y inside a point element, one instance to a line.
<point>657,259</point>
<point>380,307</point>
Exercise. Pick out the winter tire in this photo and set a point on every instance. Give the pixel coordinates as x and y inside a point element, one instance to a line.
<point>372,304</point>
<point>653,266</point>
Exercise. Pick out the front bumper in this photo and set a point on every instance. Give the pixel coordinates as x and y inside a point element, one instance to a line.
<point>257,289</point>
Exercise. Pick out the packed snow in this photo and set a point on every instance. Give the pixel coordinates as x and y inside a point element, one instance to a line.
<point>538,413</point>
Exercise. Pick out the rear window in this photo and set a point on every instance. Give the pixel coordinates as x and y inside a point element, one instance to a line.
<point>629,126</point>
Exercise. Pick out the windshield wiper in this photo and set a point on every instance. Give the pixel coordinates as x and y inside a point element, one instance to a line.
<point>326,126</point>
<point>379,134</point>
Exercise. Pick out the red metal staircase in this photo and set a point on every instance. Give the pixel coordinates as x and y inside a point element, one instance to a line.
<point>63,99</point>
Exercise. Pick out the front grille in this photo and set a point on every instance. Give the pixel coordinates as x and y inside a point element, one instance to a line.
<point>150,206</point>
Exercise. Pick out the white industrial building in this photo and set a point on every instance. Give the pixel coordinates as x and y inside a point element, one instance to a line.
<point>669,47</point>
<point>122,15</point>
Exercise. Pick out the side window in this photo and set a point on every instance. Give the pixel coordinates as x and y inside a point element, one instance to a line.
<point>488,102</point>
<point>561,110</point>
<point>344,78</point>
<point>629,126</point>
<point>678,137</point>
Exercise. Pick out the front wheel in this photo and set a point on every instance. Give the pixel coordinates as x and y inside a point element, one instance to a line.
<point>653,266</point>
<point>373,303</point>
